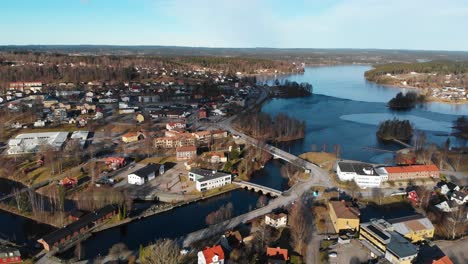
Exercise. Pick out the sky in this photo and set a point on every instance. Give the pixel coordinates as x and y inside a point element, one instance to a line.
<point>382,24</point>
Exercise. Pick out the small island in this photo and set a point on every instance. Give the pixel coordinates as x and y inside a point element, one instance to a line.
<point>395,129</point>
<point>460,125</point>
<point>405,101</point>
<point>291,89</point>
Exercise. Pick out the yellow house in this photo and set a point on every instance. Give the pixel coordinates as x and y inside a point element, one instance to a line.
<point>130,137</point>
<point>415,228</point>
<point>343,216</point>
<point>140,118</point>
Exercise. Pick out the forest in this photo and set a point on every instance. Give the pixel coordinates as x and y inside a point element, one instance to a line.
<point>278,128</point>
<point>405,101</point>
<point>395,129</point>
<point>442,67</point>
<point>54,67</point>
<point>431,74</point>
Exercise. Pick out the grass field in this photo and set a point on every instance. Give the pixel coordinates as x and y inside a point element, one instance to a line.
<point>324,159</point>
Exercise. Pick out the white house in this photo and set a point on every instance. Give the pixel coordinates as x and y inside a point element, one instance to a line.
<point>459,197</point>
<point>39,123</point>
<point>213,255</point>
<point>207,179</point>
<point>176,125</point>
<point>145,174</point>
<point>276,220</point>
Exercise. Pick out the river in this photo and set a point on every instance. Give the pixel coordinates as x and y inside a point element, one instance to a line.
<point>344,110</point>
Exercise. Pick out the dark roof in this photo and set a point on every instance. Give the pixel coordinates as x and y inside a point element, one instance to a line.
<point>357,168</point>
<point>459,195</point>
<point>406,218</point>
<point>400,246</point>
<point>208,174</point>
<point>148,169</point>
<point>377,232</point>
<point>85,221</point>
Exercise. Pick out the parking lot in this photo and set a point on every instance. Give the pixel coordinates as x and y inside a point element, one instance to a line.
<point>350,253</point>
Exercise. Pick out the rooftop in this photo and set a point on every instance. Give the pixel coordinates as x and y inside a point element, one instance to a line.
<point>405,225</point>
<point>277,252</point>
<point>209,253</point>
<point>148,169</point>
<point>400,246</point>
<point>186,148</point>
<point>358,168</point>
<point>412,168</point>
<point>344,210</point>
<point>208,174</point>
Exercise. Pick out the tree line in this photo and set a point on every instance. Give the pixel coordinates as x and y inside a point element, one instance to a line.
<point>292,89</point>
<point>405,101</point>
<point>442,67</point>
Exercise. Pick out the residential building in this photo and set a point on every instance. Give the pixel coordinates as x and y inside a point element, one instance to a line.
<point>140,118</point>
<point>180,140</point>
<point>380,238</point>
<point>443,260</point>
<point>216,157</point>
<point>276,220</point>
<point>277,255</point>
<point>207,179</point>
<point>32,142</point>
<point>412,172</point>
<point>115,162</point>
<point>365,175</point>
<point>145,174</point>
<point>446,188</point>
<point>231,240</point>
<point>9,255</point>
<point>61,236</point>
<point>459,197</point>
<point>132,137</point>
<point>176,125</point>
<point>26,86</point>
<point>343,215</point>
<point>186,152</point>
<point>416,228</point>
<point>213,255</point>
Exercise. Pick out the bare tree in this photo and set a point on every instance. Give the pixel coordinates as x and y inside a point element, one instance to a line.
<point>163,251</point>
<point>377,194</point>
<point>300,222</point>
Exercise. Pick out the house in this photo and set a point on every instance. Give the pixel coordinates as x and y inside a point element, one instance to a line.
<point>459,197</point>
<point>412,172</point>
<point>115,162</point>
<point>140,118</point>
<point>415,228</point>
<point>365,175</point>
<point>186,152</point>
<point>276,220</point>
<point>145,174</point>
<point>277,255</point>
<point>176,125</point>
<point>61,236</point>
<point>447,206</point>
<point>216,157</point>
<point>9,255</point>
<point>443,260</point>
<point>380,238</point>
<point>207,179</point>
<point>446,188</point>
<point>213,255</point>
<point>132,137</point>
<point>343,216</point>
<point>69,182</point>
<point>39,123</point>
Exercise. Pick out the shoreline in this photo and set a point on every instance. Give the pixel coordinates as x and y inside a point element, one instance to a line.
<point>429,99</point>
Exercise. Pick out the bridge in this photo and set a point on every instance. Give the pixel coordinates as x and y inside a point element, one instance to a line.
<point>258,188</point>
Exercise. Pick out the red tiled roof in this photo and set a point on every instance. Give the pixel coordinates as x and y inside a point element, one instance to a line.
<point>272,252</point>
<point>443,260</point>
<point>413,168</point>
<point>130,134</point>
<point>186,148</point>
<point>209,253</point>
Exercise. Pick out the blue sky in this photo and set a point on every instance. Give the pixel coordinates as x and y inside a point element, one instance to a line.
<point>384,24</point>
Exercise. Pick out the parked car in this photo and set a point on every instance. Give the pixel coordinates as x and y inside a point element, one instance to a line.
<point>332,255</point>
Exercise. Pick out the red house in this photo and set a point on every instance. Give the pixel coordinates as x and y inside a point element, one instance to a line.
<point>9,255</point>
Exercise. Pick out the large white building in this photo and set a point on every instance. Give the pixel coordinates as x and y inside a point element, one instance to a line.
<point>32,142</point>
<point>207,179</point>
<point>365,175</point>
<point>145,174</point>
<point>276,220</point>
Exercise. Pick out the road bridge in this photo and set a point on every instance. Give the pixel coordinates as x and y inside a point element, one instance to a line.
<point>258,188</point>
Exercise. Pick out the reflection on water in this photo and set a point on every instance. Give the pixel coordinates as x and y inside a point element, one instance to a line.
<point>419,123</point>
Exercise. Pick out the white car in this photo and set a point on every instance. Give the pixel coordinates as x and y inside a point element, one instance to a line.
<point>332,255</point>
